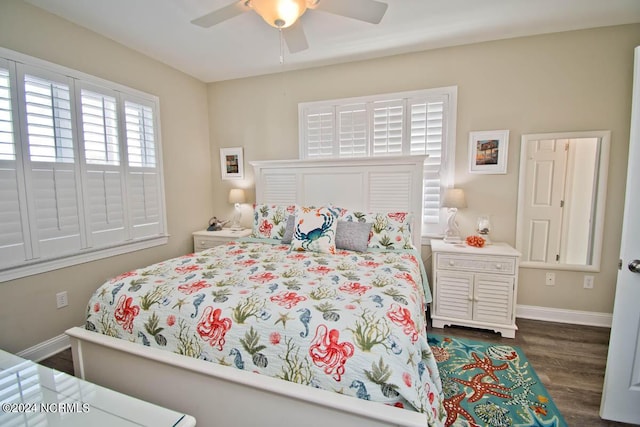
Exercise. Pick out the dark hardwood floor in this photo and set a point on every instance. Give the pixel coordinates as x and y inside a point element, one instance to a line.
<point>569,359</point>
<point>62,362</point>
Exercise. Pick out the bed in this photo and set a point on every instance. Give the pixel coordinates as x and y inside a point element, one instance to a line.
<point>319,329</point>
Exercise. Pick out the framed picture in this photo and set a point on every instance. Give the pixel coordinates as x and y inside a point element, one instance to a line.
<point>488,151</point>
<point>232,163</point>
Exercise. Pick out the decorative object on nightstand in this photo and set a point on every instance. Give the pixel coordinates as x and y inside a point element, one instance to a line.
<point>475,287</point>
<point>236,196</point>
<point>475,240</point>
<point>483,228</point>
<point>453,200</point>
<point>208,239</point>
<point>216,224</point>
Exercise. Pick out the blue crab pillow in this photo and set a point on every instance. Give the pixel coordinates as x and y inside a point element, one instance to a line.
<point>315,230</point>
<point>269,221</point>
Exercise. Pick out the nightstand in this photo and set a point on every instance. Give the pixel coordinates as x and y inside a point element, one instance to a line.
<point>475,287</point>
<point>208,239</point>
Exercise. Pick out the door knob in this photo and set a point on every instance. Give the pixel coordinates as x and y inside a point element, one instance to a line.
<point>634,266</point>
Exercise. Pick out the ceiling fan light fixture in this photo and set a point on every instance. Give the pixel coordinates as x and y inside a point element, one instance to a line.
<point>279,13</point>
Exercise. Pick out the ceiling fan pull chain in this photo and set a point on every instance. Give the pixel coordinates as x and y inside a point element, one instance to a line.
<point>281,47</point>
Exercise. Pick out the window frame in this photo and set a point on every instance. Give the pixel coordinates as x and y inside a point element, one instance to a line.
<point>18,64</point>
<point>334,107</point>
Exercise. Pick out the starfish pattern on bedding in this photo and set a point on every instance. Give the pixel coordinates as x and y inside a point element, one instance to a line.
<point>283,318</point>
<point>179,303</point>
<point>410,359</point>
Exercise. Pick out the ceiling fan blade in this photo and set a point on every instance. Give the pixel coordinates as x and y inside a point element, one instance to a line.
<point>295,37</point>
<point>363,10</point>
<point>222,14</point>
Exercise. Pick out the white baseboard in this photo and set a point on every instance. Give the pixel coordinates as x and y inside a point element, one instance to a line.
<point>575,317</point>
<point>47,348</point>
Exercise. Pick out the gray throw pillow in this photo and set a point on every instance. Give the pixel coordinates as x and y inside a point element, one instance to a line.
<point>353,236</point>
<point>288,230</point>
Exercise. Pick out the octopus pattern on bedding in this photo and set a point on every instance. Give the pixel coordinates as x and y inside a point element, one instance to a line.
<point>352,323</point>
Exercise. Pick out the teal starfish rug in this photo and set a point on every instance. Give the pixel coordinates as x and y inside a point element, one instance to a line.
<point>494,385</point>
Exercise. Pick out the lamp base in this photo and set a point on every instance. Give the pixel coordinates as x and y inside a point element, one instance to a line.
<point>235,220</point>
<point>452,233</point>
<point>452,239</point>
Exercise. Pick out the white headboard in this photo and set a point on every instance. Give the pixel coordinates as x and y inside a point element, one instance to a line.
<point>382,184</point>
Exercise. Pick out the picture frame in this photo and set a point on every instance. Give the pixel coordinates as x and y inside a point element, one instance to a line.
<point>488,151</point>
<point>232,163</point>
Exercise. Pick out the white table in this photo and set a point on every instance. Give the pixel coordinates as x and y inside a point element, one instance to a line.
<point>33,395</point>
<point>475,287</point>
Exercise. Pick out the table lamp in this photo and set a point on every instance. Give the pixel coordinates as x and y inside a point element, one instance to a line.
<point>453,199</point>
<point>236,196</point>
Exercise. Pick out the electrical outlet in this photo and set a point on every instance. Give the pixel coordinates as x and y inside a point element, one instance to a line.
<point>62,299</point>
<point>588,282</point>
<point>550,279</point>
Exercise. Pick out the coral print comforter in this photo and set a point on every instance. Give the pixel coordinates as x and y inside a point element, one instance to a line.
<point>352,323</point>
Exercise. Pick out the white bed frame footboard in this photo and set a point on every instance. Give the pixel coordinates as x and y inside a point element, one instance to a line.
<point>219,395</point>
<point>222,396</point>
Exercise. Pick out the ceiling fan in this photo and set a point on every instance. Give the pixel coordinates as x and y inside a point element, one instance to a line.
<point>284,14</point>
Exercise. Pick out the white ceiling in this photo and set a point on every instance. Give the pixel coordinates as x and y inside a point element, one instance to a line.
<point>246,46</point>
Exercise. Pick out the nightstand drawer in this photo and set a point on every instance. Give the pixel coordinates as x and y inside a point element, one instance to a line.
<point>488,264</point>
<point>208,239</point>
<point>202,243</point>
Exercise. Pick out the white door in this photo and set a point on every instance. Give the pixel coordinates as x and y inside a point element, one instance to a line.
<point>545,168</point>
<point>621,393</point>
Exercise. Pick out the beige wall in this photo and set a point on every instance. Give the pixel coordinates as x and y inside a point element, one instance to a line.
<point>28,314</point>
<point>560,82</point>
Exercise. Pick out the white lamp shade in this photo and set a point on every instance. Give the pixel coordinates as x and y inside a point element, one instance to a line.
<point>236,195</point>
<point>454,198</point>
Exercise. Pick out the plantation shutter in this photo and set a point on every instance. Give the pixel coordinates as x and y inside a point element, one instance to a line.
<point>353,132</point>
<point>54,208</point>
<point>427,137</point>
<point>143,178</point>
<point>14,243</point>
<point>319,132</point>
<point>80,168</point>
<point>104,188</point>
<point>387,119</point>
<point>407,123</point>
<point>7,144</point>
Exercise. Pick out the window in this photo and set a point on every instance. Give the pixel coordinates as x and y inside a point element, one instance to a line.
<point>80,169</point>
<point>406,123</point>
